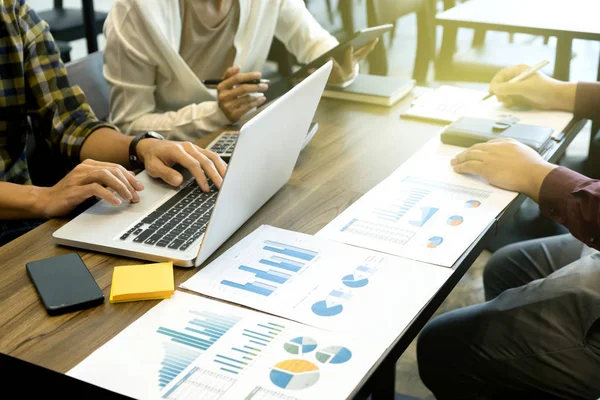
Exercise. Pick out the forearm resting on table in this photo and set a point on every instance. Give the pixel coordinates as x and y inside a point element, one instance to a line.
<point>107,145</point>
<point>20,201</point>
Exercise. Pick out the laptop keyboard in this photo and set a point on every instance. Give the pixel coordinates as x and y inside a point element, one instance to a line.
<point>225,144</point>
<point>179,222</point>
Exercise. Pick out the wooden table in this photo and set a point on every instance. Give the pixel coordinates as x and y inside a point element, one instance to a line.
<point>355,148</point>
<point>566,20</point>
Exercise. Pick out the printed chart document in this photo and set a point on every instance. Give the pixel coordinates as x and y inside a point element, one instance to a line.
<point>423,211</point>
<point>321,283</point>
<point>189,347</point>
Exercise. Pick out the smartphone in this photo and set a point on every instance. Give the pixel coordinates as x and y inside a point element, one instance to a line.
<point>64,284</point>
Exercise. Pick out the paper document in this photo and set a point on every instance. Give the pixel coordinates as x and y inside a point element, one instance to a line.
<point>444,104</point>
<point>423,211</point>
<point>321,283</point>
<point>189,347</point>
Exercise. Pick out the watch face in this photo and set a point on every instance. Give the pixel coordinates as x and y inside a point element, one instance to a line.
<point>155,135</point>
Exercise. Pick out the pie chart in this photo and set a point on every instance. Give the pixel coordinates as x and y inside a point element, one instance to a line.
<point>334,355</point>
<point>472,204</point>
<point>354,282</point>
<point>455,220</point>
<point>324,310</point>
<point>300,345</point>
<point>434,242</point>
<point>294,374</point>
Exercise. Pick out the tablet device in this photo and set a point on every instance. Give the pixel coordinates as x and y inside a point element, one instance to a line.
<point>357,40</point>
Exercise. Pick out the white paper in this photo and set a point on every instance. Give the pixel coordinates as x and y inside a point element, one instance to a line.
<point>445,103</point>
<point>321,283</point>
<point>189,347</point>
<point>423,211</point>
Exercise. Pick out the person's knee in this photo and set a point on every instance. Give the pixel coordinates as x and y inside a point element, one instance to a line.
<point>435,348</point>
<point>496,269</point>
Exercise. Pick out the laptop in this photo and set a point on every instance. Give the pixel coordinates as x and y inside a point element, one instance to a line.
<point>224,144</point>
<point>186,225</point>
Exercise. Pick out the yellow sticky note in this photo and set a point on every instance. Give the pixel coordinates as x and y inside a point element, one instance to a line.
<point>142,282</point>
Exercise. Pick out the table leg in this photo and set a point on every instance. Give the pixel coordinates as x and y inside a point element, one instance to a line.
<point>89,21</point>
<point>562,62</point>
<point>384,387</point>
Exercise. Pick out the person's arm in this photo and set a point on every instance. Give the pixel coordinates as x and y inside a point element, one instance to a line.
<point>565,196</point>
<point>300,32</point>
<point>573,200</point>
<point>130,69</point>
<point>587,100</point>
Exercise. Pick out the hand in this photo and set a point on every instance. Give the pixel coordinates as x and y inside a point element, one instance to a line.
<point>347,70</point>
<point>159,156</point>
<point>88,179</point>
<point>235,99</point>
<point>507,164</point>
<point>539,90</point>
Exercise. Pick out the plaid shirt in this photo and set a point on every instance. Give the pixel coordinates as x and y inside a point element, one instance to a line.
<point>34,84</point>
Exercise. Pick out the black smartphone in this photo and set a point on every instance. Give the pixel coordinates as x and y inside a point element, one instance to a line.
<point>64,284</point>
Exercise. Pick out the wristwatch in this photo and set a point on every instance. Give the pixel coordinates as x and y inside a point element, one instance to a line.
<point>134,160</point>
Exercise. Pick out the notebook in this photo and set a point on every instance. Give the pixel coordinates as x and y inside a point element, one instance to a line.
<point>373,89</point>
<point>445,104</point>
<point>467,131</point>
<point>142,282</point>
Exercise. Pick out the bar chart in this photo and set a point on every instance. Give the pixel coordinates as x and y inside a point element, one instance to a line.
<point>279,262</point>
<point>251,343</point>
<point>394,212</point>
<point>187,344</point>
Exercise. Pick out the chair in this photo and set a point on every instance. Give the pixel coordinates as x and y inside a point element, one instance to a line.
<point>68,24</point>
<point>87,73</point>
<point>389,11</point>
<point>65,50</point>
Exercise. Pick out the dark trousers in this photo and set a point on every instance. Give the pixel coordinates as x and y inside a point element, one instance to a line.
<point>12,229</point>
<point>536,337</point>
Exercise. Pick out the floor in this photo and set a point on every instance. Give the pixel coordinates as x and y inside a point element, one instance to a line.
<point>469,290</point>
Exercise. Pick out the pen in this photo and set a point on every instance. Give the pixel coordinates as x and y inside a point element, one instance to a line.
<point>524,75</point>
<point>215,82</point>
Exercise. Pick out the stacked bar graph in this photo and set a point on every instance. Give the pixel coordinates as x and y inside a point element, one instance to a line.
<point>279,263</point>
<point>253,341</point>
<point>290,251</point>
<point>394,212</point>
<point>187,344</point>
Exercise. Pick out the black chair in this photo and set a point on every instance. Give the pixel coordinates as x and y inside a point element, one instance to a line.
<point>68,24</point>
<point>65,51</point>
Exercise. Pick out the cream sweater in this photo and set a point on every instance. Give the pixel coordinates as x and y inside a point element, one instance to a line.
<point>151,86</point>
